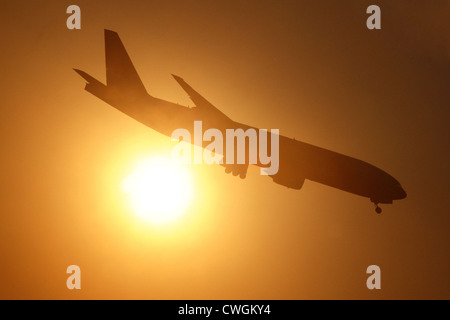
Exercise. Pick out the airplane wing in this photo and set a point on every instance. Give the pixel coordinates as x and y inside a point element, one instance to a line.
<point>205,106</point>
<point>200,102</point>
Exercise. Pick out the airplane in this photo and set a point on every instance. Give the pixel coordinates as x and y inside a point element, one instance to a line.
<point>298,160</point>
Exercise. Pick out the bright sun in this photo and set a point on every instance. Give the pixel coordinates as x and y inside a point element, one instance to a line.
<point>159,190</point>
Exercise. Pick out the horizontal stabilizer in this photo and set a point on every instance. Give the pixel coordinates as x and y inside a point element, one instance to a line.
<point>86,76</point>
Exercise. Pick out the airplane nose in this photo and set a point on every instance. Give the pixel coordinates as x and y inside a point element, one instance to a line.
<point>400,193</point>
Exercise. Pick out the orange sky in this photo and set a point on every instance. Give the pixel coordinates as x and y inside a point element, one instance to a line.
<point>311,69</point>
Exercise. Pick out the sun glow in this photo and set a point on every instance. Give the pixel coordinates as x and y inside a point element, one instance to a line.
<point>159,190</point>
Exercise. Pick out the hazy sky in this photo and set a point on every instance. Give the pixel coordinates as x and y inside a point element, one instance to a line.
<point>309,68</point>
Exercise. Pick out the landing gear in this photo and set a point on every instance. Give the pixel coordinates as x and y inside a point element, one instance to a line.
<point>378,209</point>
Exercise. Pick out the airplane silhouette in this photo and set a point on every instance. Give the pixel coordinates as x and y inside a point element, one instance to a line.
<point>298,160</point>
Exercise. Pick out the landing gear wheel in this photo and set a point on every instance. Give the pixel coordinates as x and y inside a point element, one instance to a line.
<point>378,210</point>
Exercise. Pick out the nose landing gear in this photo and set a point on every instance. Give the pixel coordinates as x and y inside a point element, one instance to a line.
<point>377,208</point>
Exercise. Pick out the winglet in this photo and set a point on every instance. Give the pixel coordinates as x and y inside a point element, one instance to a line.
<point>177,78</point>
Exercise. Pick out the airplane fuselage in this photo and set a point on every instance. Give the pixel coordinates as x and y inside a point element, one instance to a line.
<point>298,160</point>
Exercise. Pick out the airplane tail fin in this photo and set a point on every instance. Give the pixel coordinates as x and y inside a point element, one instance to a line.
<point>120,72</point>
